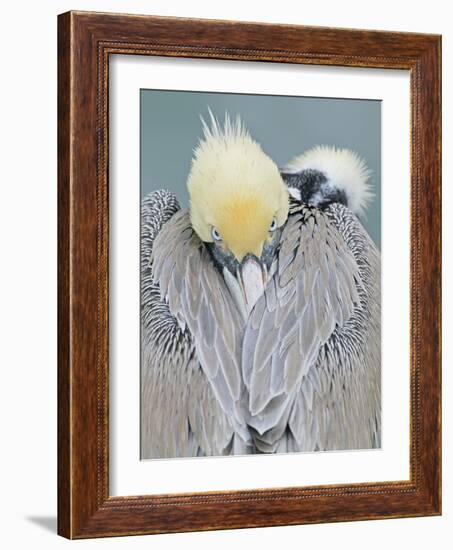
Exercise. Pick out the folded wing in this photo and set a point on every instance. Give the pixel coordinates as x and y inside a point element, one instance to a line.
<point>292,344</point>
<point>200,302</point>
<point>181,413</point>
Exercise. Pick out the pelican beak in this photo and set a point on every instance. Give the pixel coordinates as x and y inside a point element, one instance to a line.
<point>252,276</point>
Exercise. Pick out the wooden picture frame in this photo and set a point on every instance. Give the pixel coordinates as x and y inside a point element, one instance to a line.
<point>85,42</point>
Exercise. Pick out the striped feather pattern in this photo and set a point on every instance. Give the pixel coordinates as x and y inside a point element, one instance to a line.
<point>180,414</point>
<point>316,384</point>
<point>200,302</point>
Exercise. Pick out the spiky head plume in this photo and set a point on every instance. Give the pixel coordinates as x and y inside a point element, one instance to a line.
<point>234,188</point>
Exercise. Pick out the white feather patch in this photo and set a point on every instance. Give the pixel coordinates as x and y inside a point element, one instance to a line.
<point>344,169</point>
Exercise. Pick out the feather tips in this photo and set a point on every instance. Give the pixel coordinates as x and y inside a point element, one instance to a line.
<point>319,274</point>
<point>196,293</point>
<point>181,414</point>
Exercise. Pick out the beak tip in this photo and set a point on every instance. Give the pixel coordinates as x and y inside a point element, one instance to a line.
<point>252,274</point>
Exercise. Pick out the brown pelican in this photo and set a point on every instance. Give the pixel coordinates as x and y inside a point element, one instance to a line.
<point>260,307</point>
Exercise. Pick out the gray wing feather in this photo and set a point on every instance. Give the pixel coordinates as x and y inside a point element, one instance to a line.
<point>344,383</point>
<point>199,299</point>
<point>304,307</point>
<point>180,414</point>
<point>291,358</point>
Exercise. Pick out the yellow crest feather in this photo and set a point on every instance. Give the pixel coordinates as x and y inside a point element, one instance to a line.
<point>235,187</point>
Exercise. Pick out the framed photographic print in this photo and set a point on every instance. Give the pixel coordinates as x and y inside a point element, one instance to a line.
<point>249,275</point>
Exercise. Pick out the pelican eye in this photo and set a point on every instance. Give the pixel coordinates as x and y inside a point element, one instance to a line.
<point>273,225</point>
<point>215,234</point>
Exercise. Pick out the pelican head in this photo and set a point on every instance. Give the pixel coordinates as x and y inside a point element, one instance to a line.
<point>238,205</point>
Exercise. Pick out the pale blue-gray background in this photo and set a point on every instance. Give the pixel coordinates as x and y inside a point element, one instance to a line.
<point>284,126</point>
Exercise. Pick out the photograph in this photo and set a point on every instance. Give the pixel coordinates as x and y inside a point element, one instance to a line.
<point>224,259</point>
<point>260,269</point>
<point>249,273</point>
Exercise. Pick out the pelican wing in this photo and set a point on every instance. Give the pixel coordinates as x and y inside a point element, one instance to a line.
<point>315,291</point>
<point>338,405</point>
<point>200,302</point>
<point>181,415</point>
